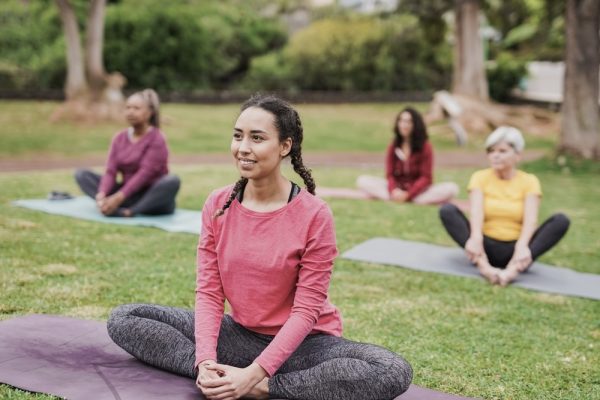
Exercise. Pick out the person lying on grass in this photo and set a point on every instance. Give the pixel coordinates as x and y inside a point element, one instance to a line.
<point>267,247</point>
<point>140,155</point>
<point>502,238</point>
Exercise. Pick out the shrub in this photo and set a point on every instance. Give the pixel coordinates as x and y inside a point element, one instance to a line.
<point>268,72</point>
<point>31,46</point>
<point>177,45</point>
<point>166,50</point>
<point>354,53</point>
<point>504,74</point>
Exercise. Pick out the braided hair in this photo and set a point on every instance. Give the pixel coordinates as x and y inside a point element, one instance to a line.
<point>288,124</point>
<point>418,136</point>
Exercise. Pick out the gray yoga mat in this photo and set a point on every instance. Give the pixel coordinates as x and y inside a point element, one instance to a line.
<point>452,261</point>
<point>186,221</point>
<point>75,359</point>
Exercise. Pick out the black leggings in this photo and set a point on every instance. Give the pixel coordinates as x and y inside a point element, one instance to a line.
<point>500,252</point>
<point>323,367</point>
<point>156,200</point>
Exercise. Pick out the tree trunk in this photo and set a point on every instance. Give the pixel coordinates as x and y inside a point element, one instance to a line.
<point>92,94</point>
<point>469,73</point>
<point>75,86</point>
<point>580,113</point>
<point>94,46</point>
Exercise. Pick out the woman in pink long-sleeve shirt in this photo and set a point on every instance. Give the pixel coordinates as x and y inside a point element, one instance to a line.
<point>267,247</point>
<point>139,155</point>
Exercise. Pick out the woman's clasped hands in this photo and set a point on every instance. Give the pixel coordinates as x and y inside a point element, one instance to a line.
<point>224,382</point>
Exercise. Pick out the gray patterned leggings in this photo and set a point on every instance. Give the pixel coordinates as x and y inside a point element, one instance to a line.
<point>323,367</point>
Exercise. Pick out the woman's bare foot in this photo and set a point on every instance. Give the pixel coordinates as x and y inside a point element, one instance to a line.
<point>491,274</point>
<point>259,391</point>
<point>127,213</point>
<point>508,275</point>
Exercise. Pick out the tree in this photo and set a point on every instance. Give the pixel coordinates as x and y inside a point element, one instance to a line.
<point>580,130</point>
<point>90,92</point>
<point>469,71</point>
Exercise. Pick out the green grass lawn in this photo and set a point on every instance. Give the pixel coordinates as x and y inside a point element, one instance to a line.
<point>26,130</point>
<point>461,335</point>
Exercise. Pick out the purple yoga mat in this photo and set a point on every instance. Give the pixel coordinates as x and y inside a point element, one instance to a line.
<point>75,359</point>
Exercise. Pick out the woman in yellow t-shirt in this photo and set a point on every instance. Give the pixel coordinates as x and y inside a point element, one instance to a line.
<point>501,238</point>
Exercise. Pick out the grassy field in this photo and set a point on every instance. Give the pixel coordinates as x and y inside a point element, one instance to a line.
<point>26,130</point>
<point>461,335</point>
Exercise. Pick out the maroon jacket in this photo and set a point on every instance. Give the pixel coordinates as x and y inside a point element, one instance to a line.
<point>413,175</point>
<point>141,163</point>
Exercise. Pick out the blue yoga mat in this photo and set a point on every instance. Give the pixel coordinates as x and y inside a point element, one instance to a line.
<point>186,221</point>
<point>452,261</point>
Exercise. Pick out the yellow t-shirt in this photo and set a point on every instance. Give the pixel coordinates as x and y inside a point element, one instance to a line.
<point>504,201</point>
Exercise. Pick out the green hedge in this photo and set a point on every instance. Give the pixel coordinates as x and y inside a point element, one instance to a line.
<point>177,45</point>
<point>355,54</point>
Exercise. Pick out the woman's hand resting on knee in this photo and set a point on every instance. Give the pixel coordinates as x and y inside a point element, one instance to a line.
<point>224,382</point>
<point>474,248</point>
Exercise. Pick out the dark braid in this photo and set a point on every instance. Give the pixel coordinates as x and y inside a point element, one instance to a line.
<point>301,170</point>
<point>236,189</point>
<point>296,157</point>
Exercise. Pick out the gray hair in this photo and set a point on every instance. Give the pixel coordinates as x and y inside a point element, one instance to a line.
<point>506,134</point>
<point>151,99</point>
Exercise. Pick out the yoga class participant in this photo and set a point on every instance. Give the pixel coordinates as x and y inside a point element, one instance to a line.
<point>502,238</point>
<point>267,247</point>
<point>140,155</point>
<point>408,169</point>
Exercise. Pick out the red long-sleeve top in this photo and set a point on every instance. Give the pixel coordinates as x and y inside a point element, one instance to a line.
<point>413,175</point>
<point>274,270</point>
<point>140,163</point>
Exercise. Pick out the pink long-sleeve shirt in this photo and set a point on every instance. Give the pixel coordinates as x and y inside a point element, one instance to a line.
<point>274,270</point>
<point>140,163</point>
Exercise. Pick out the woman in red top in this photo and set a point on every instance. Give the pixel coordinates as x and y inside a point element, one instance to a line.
<point>267,247</point>
<point>409,165</point>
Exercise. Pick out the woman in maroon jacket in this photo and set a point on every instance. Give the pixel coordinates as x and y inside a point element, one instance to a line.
<point>409,165</point>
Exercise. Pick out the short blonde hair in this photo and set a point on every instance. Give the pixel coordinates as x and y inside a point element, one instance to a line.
<point>506,134</point>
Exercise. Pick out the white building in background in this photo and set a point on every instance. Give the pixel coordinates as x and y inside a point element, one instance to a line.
<point>362,6</point>
<point>544,82</point>
<point>369,6</point>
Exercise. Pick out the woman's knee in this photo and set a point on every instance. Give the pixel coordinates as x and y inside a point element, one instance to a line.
<point>400,375</point>
<point>117,319</point>
<point>447,211</point>
<point>363,181</point>
<point>394,373</point>
<point>453,189</point>
<point>172,182</point>
<point>81,174</point>
<point>562,221</point>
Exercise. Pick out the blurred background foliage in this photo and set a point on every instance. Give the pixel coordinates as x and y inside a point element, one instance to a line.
<point>196,45</point>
